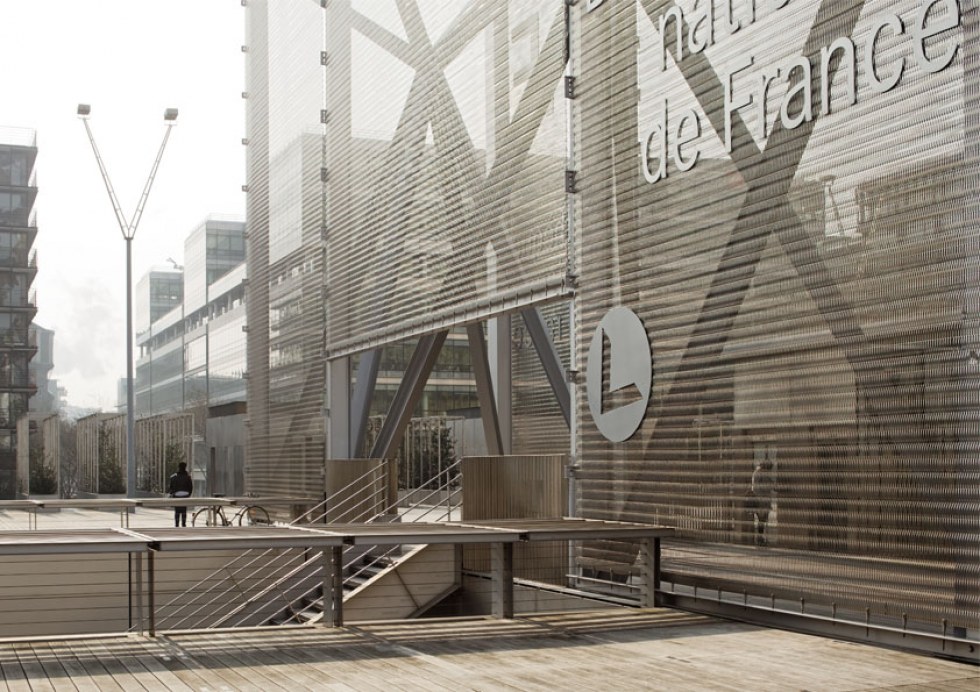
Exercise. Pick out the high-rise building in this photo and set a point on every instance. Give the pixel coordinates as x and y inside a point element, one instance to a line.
<point>18,267</point>
<point>46,399</point>
<point>190,373</point>
<point>190,324</point>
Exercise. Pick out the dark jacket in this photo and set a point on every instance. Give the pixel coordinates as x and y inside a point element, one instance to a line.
<point>181,483</point>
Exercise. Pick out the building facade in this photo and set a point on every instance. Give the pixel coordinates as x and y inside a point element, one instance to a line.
<point>190,324</point>
<point>18,267</point>
<point>47,398</point>
<point>100,454</point>
<point>191,334</point>
<point>722,255</point>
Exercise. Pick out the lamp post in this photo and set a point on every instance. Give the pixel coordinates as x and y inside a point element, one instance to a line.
<point>128,230</point>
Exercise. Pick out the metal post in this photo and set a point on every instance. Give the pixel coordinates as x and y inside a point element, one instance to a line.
<point>333,586</point>
<point>650,571</point>
<point>150,592</point>
<point>502,565</point>
<point>139,593</point>
<point>128,230</point>
<point>130,412</point>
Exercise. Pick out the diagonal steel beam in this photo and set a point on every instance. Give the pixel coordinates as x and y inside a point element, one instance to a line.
<point>408,394</point>
<point>367,378</point>
<point>463,175</point>
<point>484,389</point>
<point>548,355</point>
<point>374,32</point>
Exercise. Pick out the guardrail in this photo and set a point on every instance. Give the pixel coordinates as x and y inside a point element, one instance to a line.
<point>49,592</point>
<point>126,506</point>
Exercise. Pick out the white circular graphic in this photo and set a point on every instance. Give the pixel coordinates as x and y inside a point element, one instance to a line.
<point>619,403</point>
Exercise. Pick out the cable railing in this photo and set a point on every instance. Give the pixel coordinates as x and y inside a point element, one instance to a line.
<point>207,589</point>
<point>348,504</point>
<point>355,564</point>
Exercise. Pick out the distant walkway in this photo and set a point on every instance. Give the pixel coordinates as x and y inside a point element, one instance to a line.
<point>618,649</point>
<point>19,519</point>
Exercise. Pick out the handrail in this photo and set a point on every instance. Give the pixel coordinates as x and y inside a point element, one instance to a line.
<point>249,563</point>
<point>348,564</point>
<point>356,482</point>
<point>386,511</point>
<point>211,591</point>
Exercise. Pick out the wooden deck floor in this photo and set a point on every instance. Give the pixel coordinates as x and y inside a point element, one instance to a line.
<point>620,649</point>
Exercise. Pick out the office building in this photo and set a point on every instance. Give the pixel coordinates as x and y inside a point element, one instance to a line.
<point>722,259</point>
<point>190,324</point>
<point>18,267</point>
<point>47,399</point>
<point>190,372</point>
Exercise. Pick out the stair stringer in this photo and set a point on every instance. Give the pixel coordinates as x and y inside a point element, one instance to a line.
<point>419,580</point>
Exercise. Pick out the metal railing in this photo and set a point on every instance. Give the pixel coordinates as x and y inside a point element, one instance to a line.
<point>364,561</point>
<point>289,584</point>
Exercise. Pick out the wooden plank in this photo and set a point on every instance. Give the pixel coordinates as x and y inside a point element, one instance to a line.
<point>612,649</point>
<point>337,656</point>
<point>36,676</point>
<point>4,687</point>
<point>96,671</point>
<point>145,657</point>
<point>173,666</point>
<point>141,665</point>
<point>13,674</point>
<point>219,660</point>
<point>54,670</point>
<point>116,671</point>
<point>267,650</point>
<point>73,669</point>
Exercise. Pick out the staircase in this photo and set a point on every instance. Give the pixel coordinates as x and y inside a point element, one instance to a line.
<point>379,583</point>
<point>385,588</point>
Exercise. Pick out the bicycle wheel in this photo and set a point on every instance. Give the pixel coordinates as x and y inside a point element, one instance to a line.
<point>210,517</point>
<point>253,514</point>
<point>201,518</point>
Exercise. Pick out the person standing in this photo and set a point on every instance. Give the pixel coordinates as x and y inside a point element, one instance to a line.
<point>181,485</point>
<point>762,491</point>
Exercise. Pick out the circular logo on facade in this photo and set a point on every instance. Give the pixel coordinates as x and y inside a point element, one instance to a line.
<point>619,373</point>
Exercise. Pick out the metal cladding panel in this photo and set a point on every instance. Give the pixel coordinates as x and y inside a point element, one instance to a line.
<point>285,384</point>
<point>538,424</point>
<point>446,153</point>
<point>785,194</point>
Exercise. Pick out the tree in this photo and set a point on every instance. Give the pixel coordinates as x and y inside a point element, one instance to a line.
<point>43,478</point>
<point>68,431</point>
<point>111,479</point>
<point>173,454</point>
<point>428,449</point>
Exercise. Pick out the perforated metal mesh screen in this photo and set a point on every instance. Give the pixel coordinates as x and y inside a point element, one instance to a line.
<point>783,192</point>
<point>788,201</point>
<point>285,95</point>
<point>446,156</point>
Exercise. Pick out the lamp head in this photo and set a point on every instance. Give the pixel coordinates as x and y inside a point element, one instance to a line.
<point>84,110</point>
<point>170,115</point>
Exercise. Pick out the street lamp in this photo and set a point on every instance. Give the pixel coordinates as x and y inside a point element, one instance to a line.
<point>128,231</point>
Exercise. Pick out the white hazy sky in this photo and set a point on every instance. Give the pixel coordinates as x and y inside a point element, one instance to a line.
<point>129,59</point>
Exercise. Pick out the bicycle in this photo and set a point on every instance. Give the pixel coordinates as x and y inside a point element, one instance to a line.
<point>250,515</point>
